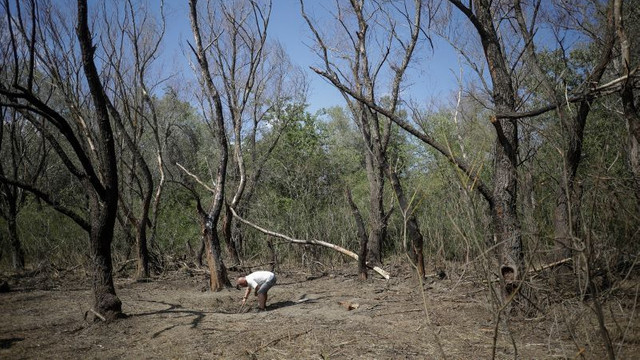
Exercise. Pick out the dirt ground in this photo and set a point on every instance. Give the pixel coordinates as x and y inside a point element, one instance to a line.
<point>331,315</point>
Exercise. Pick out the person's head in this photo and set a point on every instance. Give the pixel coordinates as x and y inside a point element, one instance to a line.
<point>241,282</point>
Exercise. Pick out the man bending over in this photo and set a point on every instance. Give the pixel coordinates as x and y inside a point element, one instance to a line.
<point>261,282</point>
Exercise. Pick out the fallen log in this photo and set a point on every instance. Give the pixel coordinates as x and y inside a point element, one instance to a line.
<point>340,249</point>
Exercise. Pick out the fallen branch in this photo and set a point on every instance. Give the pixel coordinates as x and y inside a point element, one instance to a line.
<point>124,265</point>
<point>550,265</point>
<point>97,314</point>
<point>342,250</point>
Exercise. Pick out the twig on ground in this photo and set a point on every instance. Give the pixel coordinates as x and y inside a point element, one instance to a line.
<point>97,314</point>
<point>275,341</point>
<point>398,312</point>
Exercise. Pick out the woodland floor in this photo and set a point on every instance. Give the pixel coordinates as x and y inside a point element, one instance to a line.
<point>308,317</point>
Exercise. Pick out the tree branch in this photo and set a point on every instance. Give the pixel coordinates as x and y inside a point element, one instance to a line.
<point>342,250</point>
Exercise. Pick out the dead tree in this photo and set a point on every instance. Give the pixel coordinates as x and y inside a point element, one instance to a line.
<point>137,31</point>
<point>573,123</point>
<point>209,220</point>
<point>88,154</point>
<point>360,75</point>
<point>24,157</point>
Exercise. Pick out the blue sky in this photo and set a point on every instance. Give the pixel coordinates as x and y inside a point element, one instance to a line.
<point>431,79</point>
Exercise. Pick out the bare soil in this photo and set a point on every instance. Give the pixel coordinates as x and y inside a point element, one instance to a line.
<point>332,315</point>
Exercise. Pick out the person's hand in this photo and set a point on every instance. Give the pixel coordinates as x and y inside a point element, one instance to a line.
<point>244,300</point>
<point>255,293</point>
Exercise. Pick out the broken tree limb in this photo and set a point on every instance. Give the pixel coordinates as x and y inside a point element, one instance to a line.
<point>340,249</point>
<point>550,265</point>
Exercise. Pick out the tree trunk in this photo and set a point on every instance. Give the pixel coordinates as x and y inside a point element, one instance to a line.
<point>504,213</point>
<point>629,109</point>
<point>218,275</point>
<point>362,235</point>
<point>143,251</point>
<point>201,249</point>
<point>218,279</point>
<point>103,217</point>
<point>413,234</point>
<point>17,254</point>
<point>227,232</point>
<point>633,127</point>
<point>528,190</point>
<point>272,253</point>
<point>103,197</point>
<point>378,228</point>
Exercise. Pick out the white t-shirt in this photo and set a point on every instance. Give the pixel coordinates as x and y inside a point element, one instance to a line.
<point>258,278</point>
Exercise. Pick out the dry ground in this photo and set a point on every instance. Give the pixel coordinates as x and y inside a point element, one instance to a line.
<point>173,317</point>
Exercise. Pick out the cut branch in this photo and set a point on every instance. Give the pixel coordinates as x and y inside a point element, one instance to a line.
<point>342,250</point>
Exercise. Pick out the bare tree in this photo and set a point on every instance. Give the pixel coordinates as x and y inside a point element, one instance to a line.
<point>24,159</point>
<point>218,272</point>
<point>573,122</point>
<point>239,38</point>
<point>87,152</point>
<point>135,29</point>
<point>366,56</point>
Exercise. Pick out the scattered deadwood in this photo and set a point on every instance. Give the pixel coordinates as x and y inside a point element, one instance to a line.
<point>342,250</point>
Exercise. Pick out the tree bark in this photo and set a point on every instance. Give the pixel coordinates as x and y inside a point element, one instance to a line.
<point>17,254</point>
<point>103,216</point>
<point>218,273</point>
<point>227,232</point>
<point>103,199</point>
<point>629,108</point>
<point>362,235</point>
<point>506,224</point>
<point>219,278</point>
<point>413,234</point>
<point>377,221</point>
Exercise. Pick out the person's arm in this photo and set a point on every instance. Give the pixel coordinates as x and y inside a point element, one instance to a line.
<point>246,295</point>
<point>257,288</point>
